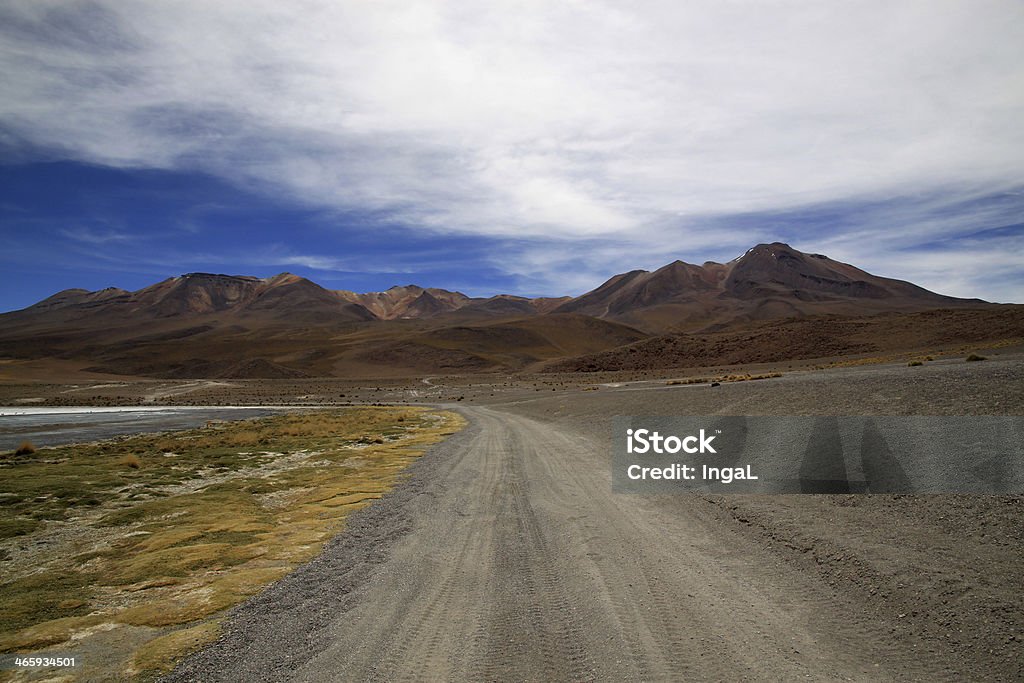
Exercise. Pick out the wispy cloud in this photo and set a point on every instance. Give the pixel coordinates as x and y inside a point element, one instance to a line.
<point>326,264</point>
<point>91,236</point>
<point>583,137</point>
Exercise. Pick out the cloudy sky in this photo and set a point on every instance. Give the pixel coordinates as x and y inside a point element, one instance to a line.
<point>524,147</point>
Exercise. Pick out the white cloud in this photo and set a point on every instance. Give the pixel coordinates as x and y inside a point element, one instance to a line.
<point>625,122</point>
<point>90,236</point>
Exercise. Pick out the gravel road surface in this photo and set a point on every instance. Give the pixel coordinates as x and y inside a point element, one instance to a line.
<point>505,557</point>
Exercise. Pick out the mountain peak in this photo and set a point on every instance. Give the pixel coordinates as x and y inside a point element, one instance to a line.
<point>767,249</point>
<point>770,280</point>
<point>285,278</point>
<point>204,279</point>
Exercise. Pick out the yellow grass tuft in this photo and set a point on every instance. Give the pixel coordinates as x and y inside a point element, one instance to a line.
<point>159,655</point>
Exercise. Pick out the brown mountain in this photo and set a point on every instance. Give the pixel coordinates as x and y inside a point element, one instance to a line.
<point>206,325</point>
<point>195,294</point>
<point>81,298</point>
<point>410,301</point>
<point>769,281</point>
<point>506,306</point>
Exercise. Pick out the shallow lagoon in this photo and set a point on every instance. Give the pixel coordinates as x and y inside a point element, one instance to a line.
<point>54,426</point>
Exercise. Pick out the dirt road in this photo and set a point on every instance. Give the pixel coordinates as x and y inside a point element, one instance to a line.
<point>528,570</point>
<point>505,557</point>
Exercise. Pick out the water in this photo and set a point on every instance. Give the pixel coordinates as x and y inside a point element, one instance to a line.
<point>64,425</point>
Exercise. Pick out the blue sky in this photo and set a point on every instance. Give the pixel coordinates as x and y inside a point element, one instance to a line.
<point>523,147</point>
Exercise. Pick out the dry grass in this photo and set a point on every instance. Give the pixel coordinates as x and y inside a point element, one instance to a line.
<point>161,653</point>
<point>97,542</point>
<point>247,437</point>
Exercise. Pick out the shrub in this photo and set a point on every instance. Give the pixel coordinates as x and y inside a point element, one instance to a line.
<point>26,448</point>
<point>973,357</point>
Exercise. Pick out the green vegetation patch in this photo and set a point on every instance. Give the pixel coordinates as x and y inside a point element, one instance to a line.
<point>42,596</point>
<point>164,531</point>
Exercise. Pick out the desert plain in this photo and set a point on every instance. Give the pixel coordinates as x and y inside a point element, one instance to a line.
<point>426,494</point>
<point>502,554</point>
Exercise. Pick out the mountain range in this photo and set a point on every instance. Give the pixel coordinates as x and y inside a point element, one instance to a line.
<point>204,325</point>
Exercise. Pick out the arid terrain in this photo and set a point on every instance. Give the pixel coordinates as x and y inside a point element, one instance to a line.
<point>505,556</point>
<point>502,553</point>
<point>511,342</point>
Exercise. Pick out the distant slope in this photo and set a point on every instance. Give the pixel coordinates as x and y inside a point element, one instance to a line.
<point>410,301</point>
<point>769,281</point>
<point>415,302</point>
<point>515,344</point>
<point>807,338</point>
<point>191,295</point>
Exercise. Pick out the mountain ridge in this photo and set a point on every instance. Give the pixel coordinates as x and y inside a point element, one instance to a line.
<point>214,325</point>
<point>767,281</point>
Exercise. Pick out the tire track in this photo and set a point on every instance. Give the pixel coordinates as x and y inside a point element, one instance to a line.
<point>534,631</point>
<point>509,559</point>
